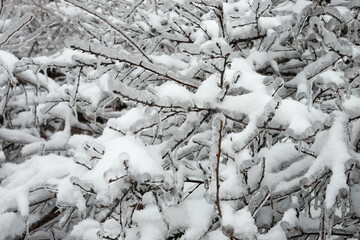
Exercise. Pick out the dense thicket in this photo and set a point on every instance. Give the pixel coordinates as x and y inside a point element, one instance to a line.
<point>177,119</point>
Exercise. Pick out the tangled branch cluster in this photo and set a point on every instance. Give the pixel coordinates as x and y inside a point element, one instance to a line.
<point>179,119</point>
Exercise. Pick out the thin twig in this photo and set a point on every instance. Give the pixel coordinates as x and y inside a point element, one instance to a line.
<point>103,18</point>
<point>217,170</point>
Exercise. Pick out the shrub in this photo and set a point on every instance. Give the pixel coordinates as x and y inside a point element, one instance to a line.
<point>180,119</point>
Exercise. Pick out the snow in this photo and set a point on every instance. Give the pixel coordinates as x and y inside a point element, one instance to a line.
<point>194,214</point>
<point>217,235</point>
<point>298,7</point>
<point>124,122</point>
<point>154,169</point>
<point>241,221</point>
<point>212,28</point>
<point>112,228</point>
<point>332,77</point>
<point>277,232</point>
<point>8,60</point>
<point>150,223</point>
<point>57,141</point>
<point>231,186</point>
<point>139,158</point>
<point>290,217</point>
<point>207,92</point>
<point>272,22</point>
<point>333,155</point>
<point>239,140</point>
<point>173,92</point>
<point>251,104</point>
<point>36,171</point>
<point>86,229</point>
<point>92,92</point>
<point>352,105</point>
<point>13,135</point>
<point>70,10</point>
<point>296,116</point>
<point>156,20</point>
<point>22,201</point>
<point>151,231</point>
<point>70,195</point>
<point>171,62</point>
<point>249,79</point>
<point>234,7</point>
<point>11,225</point>
<point>141,164</point>
<point>28,176</point>
<point>278,154</point>
<point>64,58</point>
